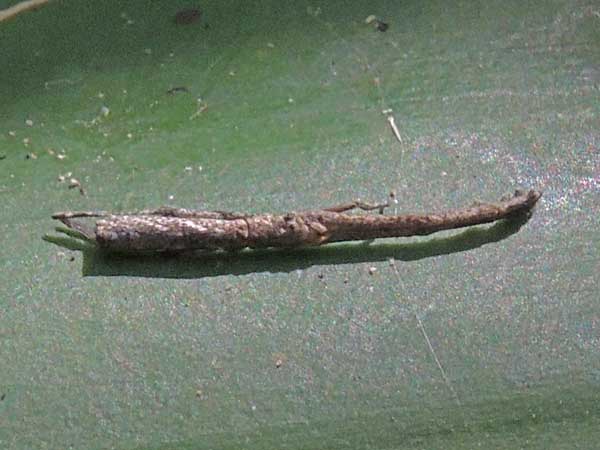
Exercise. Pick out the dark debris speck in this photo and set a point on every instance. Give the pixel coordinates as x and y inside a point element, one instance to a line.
<point>382,26</point>
<point>187,16</point>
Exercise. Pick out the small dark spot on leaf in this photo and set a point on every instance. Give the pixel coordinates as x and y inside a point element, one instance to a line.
<point>177,89</point>
<point>382,26</point>
<point>2,397</point>
<point>2,157</point>
<point>187,16</point>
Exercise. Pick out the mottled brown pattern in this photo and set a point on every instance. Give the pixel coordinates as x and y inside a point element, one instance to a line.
<point>348,228</point>
<point>174,230</point>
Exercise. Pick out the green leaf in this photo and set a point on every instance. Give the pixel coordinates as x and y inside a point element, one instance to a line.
<point>482,337</point>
